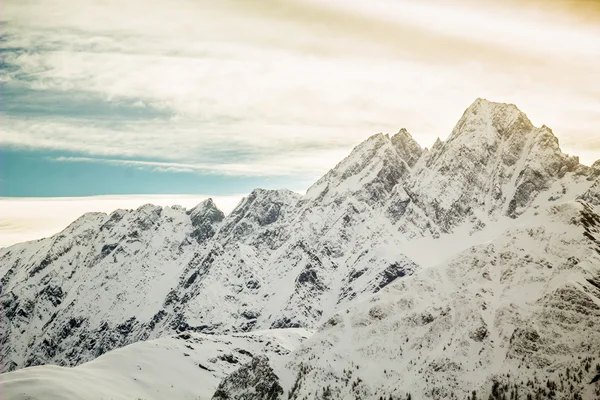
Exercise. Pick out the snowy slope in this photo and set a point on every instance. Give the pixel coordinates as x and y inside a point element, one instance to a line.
<point>89,287</point>
<point>522,307</point>
<point>186,366</point>
<point>415,228</point>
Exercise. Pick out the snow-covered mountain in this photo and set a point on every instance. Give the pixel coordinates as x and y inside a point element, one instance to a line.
<point>519,312</point>
<point>473,265</point>
<point>188,366</point>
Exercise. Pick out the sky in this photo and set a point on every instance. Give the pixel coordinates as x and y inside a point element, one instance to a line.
<point>134,99</point>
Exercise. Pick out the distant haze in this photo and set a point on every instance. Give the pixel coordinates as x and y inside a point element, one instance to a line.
<point>24,219</point>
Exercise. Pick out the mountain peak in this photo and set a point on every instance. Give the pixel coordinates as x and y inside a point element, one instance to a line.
<point>437,144</point>
<point>376,159</point>
<point>205,207</point>
<point>481,103</point>
<point>204,217</point>
<point>594,171</point>
<point>486,120</point>
<point>258,210</point>
<point>407,147</point>
<point>260,197</point>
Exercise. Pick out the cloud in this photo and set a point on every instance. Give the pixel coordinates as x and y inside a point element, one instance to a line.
<point>277,167</point>
<point>162,145</point>
<point>501,26</point>
<point>29,218</point>
<point>281,87</point>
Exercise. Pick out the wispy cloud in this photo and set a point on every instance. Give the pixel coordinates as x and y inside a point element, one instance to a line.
<point>281,87</point>
<point>276,168</point>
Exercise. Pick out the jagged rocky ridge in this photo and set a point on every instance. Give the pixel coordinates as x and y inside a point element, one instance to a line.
<point>389,210</point>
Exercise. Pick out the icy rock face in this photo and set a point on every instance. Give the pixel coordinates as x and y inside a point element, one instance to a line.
<point>593,194</point>
<point>595,170</point>
<point>494,163</point>
<point>253,381</point>
<point>370,172</point>
<point>88,289</point>
<point>256,217</point>
<point>205,218</point>
<point>408,149</point>
<point>509,315</point>
<point>281,260</point>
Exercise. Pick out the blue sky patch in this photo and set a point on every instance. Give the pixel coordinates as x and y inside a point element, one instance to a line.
<point>35,173</point>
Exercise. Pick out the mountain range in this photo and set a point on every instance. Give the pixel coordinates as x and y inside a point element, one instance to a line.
<point>467,270</point>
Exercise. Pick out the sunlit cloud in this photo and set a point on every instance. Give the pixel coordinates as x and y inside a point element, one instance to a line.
<point>283,87</point>
<point>277,166</point>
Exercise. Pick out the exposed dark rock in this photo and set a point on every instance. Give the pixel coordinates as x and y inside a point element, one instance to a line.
<point>408,149</point>
<point>171,298</point>
<point>115,217</point>
<point>43,264</point>
<point>247,326</point>
<point>524,341</point>
<point>52,293</point>
<point>200,266</point>
<point>244,352</point>
<point>248,314</point>
<point>10,366</point>
<point>285,322</point>
<point>147,216</point>
<point>126,327</point>
<point>354,275</point>
<point>230,358</point>
<point>159,316</point>
<point>532,183</point>
<point>261,207</point>
<point>333,321</point>
<point>397,209</point>
<point>68,329</point>
<point>390,274</point>
<point>479,334</point>
<point>309,277</point>
<point>191,279</point>
<point>253,284</point>
<point>377,313</point>
<point>10,305</point>
<point>107,249</point>
<point>253,381</point>
<point>204,367</point>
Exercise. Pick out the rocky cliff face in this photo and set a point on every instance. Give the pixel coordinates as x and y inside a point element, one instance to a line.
<point>253,381</point>
<point>392,230</point>
<point>506,316</point>
<point>495,163</point>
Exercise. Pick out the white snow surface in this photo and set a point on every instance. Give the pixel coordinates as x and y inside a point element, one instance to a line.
<point>523,305</point>
<point>186,366</point>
